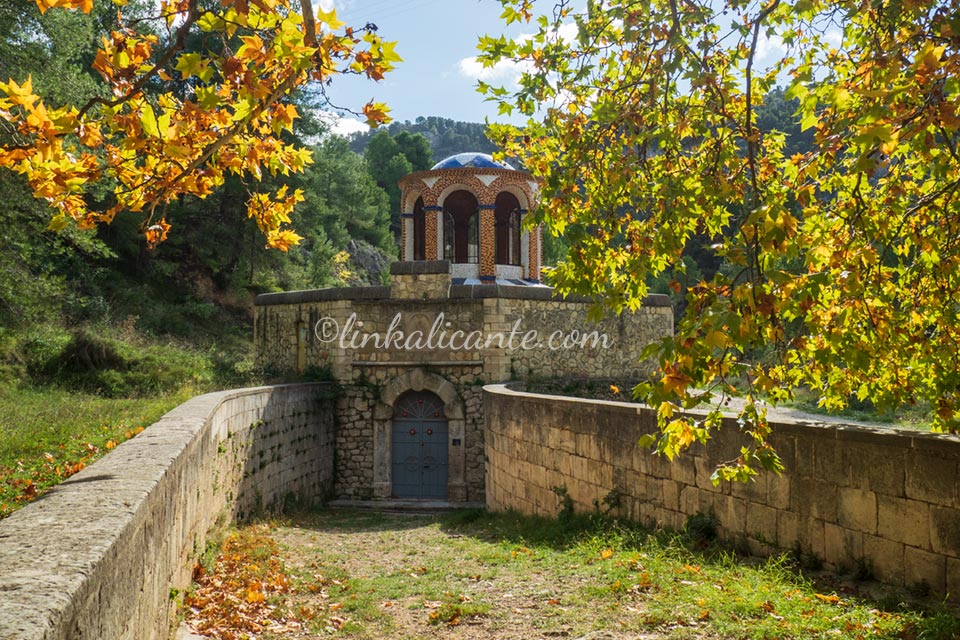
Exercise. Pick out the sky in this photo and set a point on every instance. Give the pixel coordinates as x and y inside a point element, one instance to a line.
<point>437,40</point>
<point>438,76</point>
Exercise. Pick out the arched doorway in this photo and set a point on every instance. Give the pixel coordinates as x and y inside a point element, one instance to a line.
<point>461,227</point>
<point>419,447</point>
<point>419,231</point>
<point>507,225</point>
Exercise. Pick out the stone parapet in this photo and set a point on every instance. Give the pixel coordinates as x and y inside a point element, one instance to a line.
<point>855,497</point>
<point>100,555</point>
<point>470,336</point>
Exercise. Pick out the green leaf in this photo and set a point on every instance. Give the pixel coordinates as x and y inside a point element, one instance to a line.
<point>148,120</point>
<point>647,441</point>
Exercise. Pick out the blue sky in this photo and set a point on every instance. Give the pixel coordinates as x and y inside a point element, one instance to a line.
<point>437,41</point>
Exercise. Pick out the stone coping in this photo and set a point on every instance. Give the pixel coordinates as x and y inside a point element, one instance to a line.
<point>457,292</point>
<point>78,555</point>
<point>926,441</point>
<point>411,267</point>
<point>323,295</point>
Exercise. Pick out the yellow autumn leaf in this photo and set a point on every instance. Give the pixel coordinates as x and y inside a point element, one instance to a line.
<point>329,18</point>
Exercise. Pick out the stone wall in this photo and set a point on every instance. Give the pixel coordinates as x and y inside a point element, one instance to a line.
<point>325,328</point>
<point>851,496</point>
<point>98,555</point>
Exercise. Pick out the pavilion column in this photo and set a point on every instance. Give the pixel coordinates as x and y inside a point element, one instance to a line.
<point>406,236</point>
<point>433,231</point>
<point>488,239</point>
<point>534,262</point>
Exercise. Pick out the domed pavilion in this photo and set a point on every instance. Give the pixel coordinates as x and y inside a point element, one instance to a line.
<point>468,209</point>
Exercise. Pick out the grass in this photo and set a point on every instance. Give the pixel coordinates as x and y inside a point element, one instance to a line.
<point>905,417</point>
<point>48,434</point>
<point>479,575</point>
<point>70,395</point>
<point>805,400</point>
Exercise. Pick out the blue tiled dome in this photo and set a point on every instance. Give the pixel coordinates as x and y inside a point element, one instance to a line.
<point>475,160</point>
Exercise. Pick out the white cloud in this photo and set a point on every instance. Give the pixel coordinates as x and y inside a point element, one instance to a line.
<point>337,125</point>
<point>508,70</point>
<point>345,126</point>
<point>770,47</point>
<point>834,38</point>
<point>511,70</point>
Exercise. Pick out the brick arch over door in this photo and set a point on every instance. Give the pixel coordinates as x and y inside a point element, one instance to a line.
<point>419,380</point>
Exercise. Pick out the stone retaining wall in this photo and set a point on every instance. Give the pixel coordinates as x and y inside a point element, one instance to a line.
<point>99,555</point>
<point>884,499</point>
<point>316,329</point>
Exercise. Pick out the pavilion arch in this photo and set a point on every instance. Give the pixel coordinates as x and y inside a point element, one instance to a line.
<point>458,186</point>
<point>520,193</point>
<point>410,198</point>
<point>419,379</point>
<point>459,225</point>
<point>413,219</point>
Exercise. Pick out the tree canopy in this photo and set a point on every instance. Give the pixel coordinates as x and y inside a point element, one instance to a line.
<point>193,91</point>
<point>446,137</point>
<point>840,262</point>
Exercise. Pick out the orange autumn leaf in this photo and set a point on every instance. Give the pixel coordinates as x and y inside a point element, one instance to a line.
<point>153,146</point>
<point>376,113</point>
<point>156,233</point>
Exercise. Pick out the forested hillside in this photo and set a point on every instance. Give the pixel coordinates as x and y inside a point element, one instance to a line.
<point>198,285</point>
<point>83,307</point>
<point>446,137</point>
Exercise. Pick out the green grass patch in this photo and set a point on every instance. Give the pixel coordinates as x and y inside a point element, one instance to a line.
<point>905,417</point>
<point>396,576</point>
<point>68,395</point>
<point>48,434</point>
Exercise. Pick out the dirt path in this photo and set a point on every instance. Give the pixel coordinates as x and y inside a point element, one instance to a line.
<point>406,577</point>
<point>470,575</point>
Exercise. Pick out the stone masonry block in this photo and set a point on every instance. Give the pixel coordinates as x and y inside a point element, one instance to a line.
<point>754,490</point>
<point>581,468</point>
<point>682,470</point>
<point>923,567</point>
<point>587,446</point>
<point>875,468</point>
<point>690,500</point>
<point>945,531</point>
<point>886,558</point>
<point>657,466</point>
<point>953,578</point>
<point>857,509</point>
<point>707,500</point>
<point>731,512</point>
<point>670,496</point>
<point>812,537</point>
<point>566,441</point>
<point>778,491</point>
<point>905,521</point>
<point>761,522</point>
<point>814,498</point>
<point>842,547</point>
<point>932,478</point>
<point>704,470</point>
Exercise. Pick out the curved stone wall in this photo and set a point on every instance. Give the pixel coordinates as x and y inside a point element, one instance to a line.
<point>290,333</point>
<point>100,555</point>
<point>852,496</point>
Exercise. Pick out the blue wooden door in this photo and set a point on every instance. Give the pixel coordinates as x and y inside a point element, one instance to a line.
<point>419,447</point>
